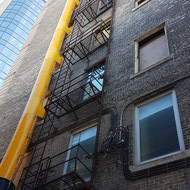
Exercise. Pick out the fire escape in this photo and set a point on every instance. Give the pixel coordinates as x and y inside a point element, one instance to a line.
<point>68,95</point>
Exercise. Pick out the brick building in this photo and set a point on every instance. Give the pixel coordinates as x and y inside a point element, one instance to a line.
<point>118,113</point>
<point>16,20</point>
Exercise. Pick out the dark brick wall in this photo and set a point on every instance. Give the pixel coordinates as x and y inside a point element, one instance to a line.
<point>124,87</point>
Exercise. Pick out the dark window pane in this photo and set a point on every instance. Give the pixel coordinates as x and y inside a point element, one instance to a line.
<point>158,134</point>
<point>87,140</point>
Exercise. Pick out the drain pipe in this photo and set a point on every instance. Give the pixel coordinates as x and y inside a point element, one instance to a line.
<point>35,108</point>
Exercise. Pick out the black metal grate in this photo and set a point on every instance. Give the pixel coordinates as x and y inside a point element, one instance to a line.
<point>74,94</point>
<point>90,10</point>
<point>67,97</point>
<point>70,169</point>
<point>86,43</point>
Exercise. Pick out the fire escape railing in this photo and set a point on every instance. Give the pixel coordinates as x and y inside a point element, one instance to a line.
<point>86,43</point>
<point>71,97</point>
<point>78,48</point>
<point>67,96</point>
<point>86,13</point>
<point>71,169</point>
<point>90,10</point>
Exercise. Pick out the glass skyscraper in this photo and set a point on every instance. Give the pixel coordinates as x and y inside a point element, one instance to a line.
<point>15,25</point>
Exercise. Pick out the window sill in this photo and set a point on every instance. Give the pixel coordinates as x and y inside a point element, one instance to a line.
<point>140,5</point>
<point>174,157</point>
<point>165,60</point>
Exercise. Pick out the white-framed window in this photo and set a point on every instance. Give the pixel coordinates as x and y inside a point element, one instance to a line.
<point>94,81</point>
<point>158,130</point>
<point>103,4</point>
<point>79,156</point>
<point>151,48</point>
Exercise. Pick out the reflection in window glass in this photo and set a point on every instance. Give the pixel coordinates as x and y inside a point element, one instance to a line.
<point>102,34</point>
<point>5,24</point>
<point>87,140</point>
<point>103,4</point>
<point>8,31</point>
<point>1,47</point>
<point>19,45</point>
<point>18,31</point>
<point>24,35</point>
<point>16,51</point>
<point>94,82</point>
<point>6,52</point>
<point>139,2</point>
<point>13,41</point>
<point>12,27</point>
<point>1,64</point>
<point>9,62</point>
<point>3,58</point>
<point>29,26</point>
<point>6,36</point>
<point>16,19</point>
<point>6,69</point>
<point>158,129</point>
<point>11,47</point>
<point>23,21</point>
<point>16,7</point>
<point>2,75</point>
<point>15,35</point>
<point>13,56</point>
<point>11,15</point>
<point>28,13</point>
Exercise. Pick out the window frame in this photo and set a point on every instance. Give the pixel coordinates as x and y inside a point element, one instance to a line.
<point>85,95</point>
<point>71,141</point>
<point>138,5</point>
<point>104,6</point>
<point>144,37</point>
<point>178,128</point>
<point>138,2</point>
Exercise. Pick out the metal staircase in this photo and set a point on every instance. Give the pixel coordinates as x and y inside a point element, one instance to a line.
<point>66,97</point>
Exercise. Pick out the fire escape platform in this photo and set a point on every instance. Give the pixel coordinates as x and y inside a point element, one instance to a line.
<point>90,10</point>
<point>75,94</point>
<point>86,13</point>
<point>66,182</point>
<point>86,43</point>
<point>54,174</point>
<point>73,168</point>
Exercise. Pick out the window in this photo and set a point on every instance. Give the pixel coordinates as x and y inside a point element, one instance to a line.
<point>104,4</point>
<point>157,129</point>
<point>139,2</point>
<point>94,81</point>
<point>86,139</point>
<point>102,34</point>
<point>150,50</point>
